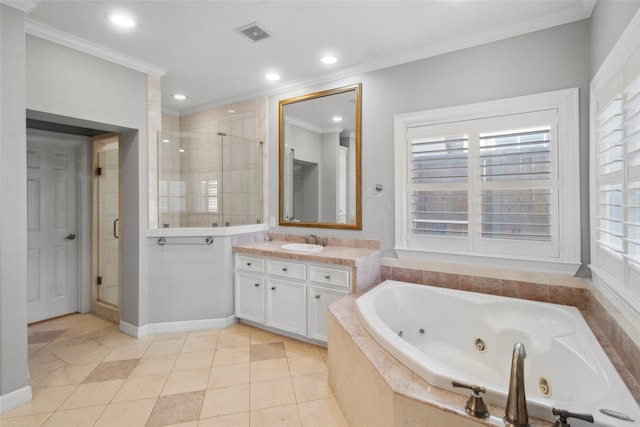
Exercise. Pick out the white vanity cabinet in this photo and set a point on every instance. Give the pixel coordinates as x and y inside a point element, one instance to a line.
<point>288,296</point>
<point>249,301</point>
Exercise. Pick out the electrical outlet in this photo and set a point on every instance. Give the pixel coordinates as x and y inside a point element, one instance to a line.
<point>272,221</point>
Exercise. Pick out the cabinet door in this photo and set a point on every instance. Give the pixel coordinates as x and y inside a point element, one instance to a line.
<point>286,306</point>
<point>319,301</point>
<point>249,297</point>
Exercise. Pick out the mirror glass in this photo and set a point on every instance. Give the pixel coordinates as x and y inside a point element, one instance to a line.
<point>320,159</point>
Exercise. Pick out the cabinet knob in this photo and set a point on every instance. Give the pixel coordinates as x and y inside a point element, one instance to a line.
<point>318,296</point>
<point>248,264</point>
<point>256,285</point>
<point>328,276</point>
<point>273,288</point>
<point>284,269</point>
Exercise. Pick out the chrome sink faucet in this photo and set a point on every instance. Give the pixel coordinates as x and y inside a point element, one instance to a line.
<point>312,236</point>
<point>516,414</point>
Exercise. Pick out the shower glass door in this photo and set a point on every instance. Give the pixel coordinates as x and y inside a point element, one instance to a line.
<point>108,207</point>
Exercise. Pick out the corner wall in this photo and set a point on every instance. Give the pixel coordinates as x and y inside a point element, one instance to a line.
<point>14,383</point>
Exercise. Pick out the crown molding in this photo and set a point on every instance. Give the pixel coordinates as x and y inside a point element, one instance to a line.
<point>60,37</point>
<point>582,11</point>
<point>24,5</point>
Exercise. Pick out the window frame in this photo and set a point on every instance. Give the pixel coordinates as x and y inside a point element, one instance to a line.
<point>613,273</point>
<point>566,103</point>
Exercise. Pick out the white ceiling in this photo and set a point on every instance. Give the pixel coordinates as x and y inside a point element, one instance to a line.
<point>195,42</point>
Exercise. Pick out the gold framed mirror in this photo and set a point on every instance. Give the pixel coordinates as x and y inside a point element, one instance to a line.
<point>320,159</point>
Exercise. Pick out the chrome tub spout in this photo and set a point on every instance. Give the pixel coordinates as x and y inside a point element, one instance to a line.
<point>516,414</point>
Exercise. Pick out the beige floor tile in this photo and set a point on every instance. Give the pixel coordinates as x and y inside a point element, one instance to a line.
<point>299,348</point>
<point>44,400</point>
<point>200,343</point>
<point>231,355</point>
<point>187,424</point>
<point>127,351</point>
<point>279,416</point>
<point>311,387</point>
<point>194,360</point>
<point>115,370</point>
<point>127,414</point>
<point>307,364</point>
<point>186,381</point>
<point>228,375</point>
<point>154,365</point>
<point>79,417</point>
<point>227,400</point>
<point>171,336</point>
<point>141,387</point>
<point>259,336</point>
<point>272,350</point>
<point>176,409</point>
<point>113,338</point>
<point>265,370</point>
<point>321,413</point>
<point>84,353</point>
<point>35,348</point>
<point>267,394</point>
<point>67,375</point>
<point>164,347</point>
<point>92,394</point>
<point>233,339</point>
<point>44,364</point>
<point>35,420</point>
<point>233,420</point>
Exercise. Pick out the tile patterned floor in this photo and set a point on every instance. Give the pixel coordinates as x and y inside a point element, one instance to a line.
<point>84,372</point>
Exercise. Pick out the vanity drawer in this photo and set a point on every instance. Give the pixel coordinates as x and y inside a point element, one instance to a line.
<point>330,276</point>
<point>291,270</point>
<point>250,263</point>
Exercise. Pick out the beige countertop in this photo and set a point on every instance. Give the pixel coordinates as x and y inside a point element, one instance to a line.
<point>340,255</point>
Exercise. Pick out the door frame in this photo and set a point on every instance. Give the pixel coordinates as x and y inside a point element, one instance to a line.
<point>83,190</point>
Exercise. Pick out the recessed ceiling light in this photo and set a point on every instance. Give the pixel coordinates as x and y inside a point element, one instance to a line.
<point>329,59</point>
<point>165,140</point>
<point>181,150</point>
<point>337,119</point>
<point>272,76</point>
<point>121,20</point>
<point>179,96</point>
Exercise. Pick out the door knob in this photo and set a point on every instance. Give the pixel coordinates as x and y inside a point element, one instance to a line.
<point>71,236</point>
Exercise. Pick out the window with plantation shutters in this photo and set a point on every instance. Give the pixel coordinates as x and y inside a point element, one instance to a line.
<point>615,115</point>
<point>485,181</point>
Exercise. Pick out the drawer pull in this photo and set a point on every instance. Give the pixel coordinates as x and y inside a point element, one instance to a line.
<point>284,269</point>
<point>273,288</point>
<point>248,264</point>
<point>318,296</point>
<point>257,285</point>
<point>328,277</point>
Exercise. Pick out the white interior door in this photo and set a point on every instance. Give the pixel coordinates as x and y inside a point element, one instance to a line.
<point>52,222</point>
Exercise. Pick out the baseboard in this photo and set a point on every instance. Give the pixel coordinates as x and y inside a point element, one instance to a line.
<point>179,326</point>
<point>15,398</point>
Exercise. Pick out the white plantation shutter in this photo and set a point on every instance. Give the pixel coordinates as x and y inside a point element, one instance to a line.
<point>616,174</point>
<point>477,184</point>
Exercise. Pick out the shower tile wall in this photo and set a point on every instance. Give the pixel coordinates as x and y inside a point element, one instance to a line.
<point>209,180</point>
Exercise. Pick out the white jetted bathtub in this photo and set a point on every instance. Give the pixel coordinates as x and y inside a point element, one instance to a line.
<point>445,335</point>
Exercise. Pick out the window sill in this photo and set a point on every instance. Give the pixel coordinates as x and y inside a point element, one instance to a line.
<point>471,261</point>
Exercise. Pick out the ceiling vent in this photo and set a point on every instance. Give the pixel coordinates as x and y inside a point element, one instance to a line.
<point>254,32</point>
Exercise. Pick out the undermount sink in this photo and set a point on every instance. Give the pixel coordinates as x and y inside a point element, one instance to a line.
<point>302,247</point>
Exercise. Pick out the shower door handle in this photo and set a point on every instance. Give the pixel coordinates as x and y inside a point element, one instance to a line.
<point>71,236</point>
<point>115,228</point>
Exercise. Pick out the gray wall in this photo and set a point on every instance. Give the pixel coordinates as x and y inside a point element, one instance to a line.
<point>608,21</point>
<point>71,87</point>
<point>13,191</point>
<point>552,59</point>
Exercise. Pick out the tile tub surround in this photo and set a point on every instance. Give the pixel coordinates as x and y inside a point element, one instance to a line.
<point>363,256</point>
<point>374,389</point>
